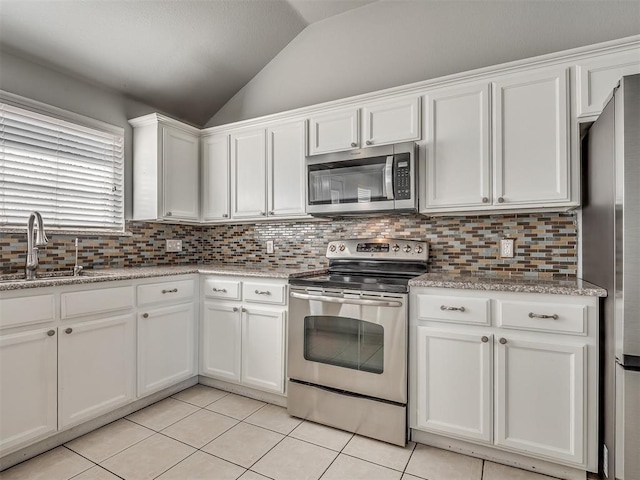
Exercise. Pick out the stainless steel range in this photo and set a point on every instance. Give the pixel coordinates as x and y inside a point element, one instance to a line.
<point>348,333</point>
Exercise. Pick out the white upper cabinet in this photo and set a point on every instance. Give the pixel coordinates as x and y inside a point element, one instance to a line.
<point>597,77</point>
<point>392,121</point>
<point>531,143</point>
<point>286,169</point>
<point>458,153</point>
<point>383,122</point>
<point>215,178</point>
<point>268,171</point>
<point>248,173</point>
<point>165,171</point>
<point>334,131</point>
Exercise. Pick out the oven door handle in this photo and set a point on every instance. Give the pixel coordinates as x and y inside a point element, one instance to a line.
<point>348,301</point>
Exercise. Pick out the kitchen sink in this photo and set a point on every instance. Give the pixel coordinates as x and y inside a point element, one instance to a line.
<point>52,276</point>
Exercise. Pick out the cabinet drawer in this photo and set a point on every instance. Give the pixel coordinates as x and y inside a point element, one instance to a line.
<point>26,310</point>
<point>88,302</point>
<point>454,309</point>
<point>217,288</point>
<point>264,292</point>
<point>542,316</point>
<point>165,292</point>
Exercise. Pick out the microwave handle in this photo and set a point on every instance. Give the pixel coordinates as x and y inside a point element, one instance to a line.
<point>388,177</point>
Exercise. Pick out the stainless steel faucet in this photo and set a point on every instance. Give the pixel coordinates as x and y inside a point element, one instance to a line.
<point>32,250</point>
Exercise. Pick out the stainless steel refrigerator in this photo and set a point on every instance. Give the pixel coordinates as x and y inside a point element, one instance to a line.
<point>611,259</point>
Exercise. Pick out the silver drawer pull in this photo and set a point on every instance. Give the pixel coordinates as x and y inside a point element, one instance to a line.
<point>170,291</point>
<point>485,339</point>
<point>51,333</point>
<point>540,315</point>
<point>263,292</point>
<point>220,290</point>
<point>452,309</point>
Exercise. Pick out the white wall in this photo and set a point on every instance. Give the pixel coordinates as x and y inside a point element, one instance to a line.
<point>37,82</point>
<point>397,42</point>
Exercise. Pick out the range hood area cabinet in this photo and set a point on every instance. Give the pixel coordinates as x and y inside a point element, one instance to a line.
<point>254,173</point>
<point>373,124</point>
<point>165,170</point>
<point>526,163</point>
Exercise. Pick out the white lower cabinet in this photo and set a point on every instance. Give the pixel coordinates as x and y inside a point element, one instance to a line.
<point>96,368</point>
<point>28,370</point>
<point>166,341</point>
<point>243,341</point>
<point>540,397</point>
<point>454,383</point>
<point>524,382</point>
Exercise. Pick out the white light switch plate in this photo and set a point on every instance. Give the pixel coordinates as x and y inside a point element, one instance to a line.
<point>506,248</point>
<point>269,246</point>
<point>173,246</point>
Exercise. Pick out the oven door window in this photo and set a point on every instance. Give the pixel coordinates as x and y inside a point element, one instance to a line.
<point>353,181</point>
<point>344,342</point>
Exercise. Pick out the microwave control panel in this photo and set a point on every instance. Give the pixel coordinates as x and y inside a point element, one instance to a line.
<point>402,177</point>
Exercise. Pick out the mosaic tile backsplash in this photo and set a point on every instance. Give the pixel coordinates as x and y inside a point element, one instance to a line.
<point>545,244</point>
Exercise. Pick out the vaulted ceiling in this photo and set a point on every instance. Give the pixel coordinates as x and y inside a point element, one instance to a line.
<point>183,57</point>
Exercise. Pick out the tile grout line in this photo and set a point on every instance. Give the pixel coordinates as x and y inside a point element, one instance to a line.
<point>89,460</point>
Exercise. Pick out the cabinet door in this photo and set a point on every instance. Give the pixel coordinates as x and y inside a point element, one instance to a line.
<point>180,178</point>
<point>263,348</point>
<point>215,178</point>
<point>454,384</point>
<point>286,169</point>
<point>29,384</point>
<point>221,340</point>
<point>96,368</point>
<point>334,132</point>
<point>597,77</point>
<point>391,122</point>
<point>531,144</point>
<point>458,158</point>
<point>166,347</point>
<point>540,398</point>
<point>249,175</point>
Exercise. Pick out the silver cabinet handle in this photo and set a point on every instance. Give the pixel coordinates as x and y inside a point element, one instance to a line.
<point>51,333</point>
<point>225,215</point>
<point>263,213</point>
<point>503,341</point>
<point>484,339</point>
<point>369,142</point>
<point>175,290</point>
<point>354,144</point>
<point>500,200</point>
<point>485,199</point>
<point>271,212</point>
<point>347,301</point>
<point>221,290</point>
<point>453,309</point>
<point>540,315</point>
<point>244,309</point>
<point>145,315</point>
<point>68,330</point>
<point>263,292</point>
<point>235,309</point>
<point>168,214</point>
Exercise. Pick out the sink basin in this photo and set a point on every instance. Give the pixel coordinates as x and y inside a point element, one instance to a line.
<point>52,276</point>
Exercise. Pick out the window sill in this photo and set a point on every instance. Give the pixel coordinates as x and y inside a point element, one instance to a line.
<point>70,232</point>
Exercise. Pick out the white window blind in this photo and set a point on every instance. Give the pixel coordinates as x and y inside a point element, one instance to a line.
<point>71,174</point>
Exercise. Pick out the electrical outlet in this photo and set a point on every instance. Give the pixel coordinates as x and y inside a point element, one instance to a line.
<point>269,246</point>
<point>506,248</point>
<point>173,246</point>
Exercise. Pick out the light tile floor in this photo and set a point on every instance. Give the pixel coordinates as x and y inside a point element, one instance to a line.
<point>204,433</point>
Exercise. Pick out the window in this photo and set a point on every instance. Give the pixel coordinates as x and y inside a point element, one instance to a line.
<point>71,173</point>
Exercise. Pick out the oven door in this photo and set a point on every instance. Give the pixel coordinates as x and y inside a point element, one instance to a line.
<point>351,341</point>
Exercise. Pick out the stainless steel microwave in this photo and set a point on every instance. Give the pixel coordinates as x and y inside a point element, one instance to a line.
<point>368,180</point>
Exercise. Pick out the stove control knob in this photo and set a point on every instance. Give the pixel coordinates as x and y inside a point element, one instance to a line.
<point>407,248</point>
<point>332,248</point>
<point>419,249</point>
<point>395,247</point>
<point>341,247</point>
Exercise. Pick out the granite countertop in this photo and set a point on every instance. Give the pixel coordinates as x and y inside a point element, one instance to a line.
<point>14,282</point>
<point>559,286</point>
